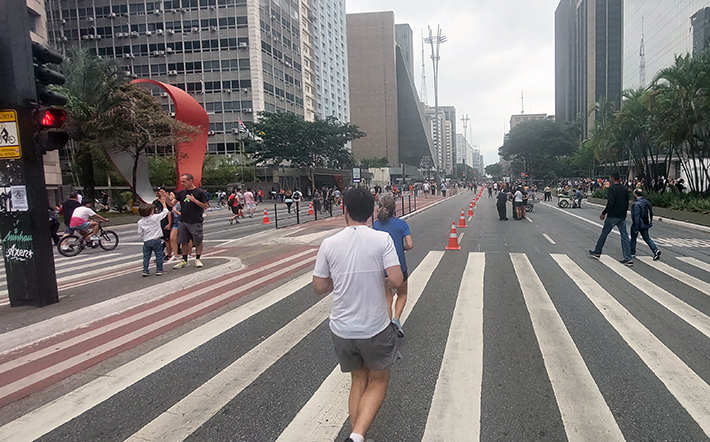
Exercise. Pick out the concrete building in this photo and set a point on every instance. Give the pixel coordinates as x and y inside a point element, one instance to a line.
<point>383,99</point>
<point>519,118</point>
<point>679,27</point>
<point>590,67</point>
<point>52,169</point>
<point>405,40</point>
<point>331,58</point>
<point>235,57</point>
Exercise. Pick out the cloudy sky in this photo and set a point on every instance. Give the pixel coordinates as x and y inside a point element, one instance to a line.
<point>496,49</point>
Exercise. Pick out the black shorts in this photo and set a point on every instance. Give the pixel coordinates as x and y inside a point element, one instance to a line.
<point>235,209</point>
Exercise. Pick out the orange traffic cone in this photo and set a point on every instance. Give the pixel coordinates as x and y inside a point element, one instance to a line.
<point>341,204</point>
<point>470,209</point>
<point>462,221</point>
<point>310,208</point>
<point>453,239</point>
<point>266,217</point>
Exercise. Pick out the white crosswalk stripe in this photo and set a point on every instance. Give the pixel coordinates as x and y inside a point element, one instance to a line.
<point>457,395</point>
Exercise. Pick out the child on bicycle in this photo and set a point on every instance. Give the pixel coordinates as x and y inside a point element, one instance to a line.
<point>150,229</point>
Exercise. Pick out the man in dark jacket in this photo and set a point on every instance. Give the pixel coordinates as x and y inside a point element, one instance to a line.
<point>614,215</point>
<point>641,221</point>
<point>501,201</point>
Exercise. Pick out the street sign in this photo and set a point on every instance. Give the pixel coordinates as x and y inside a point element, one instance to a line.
<point>356,175</point>
<point>9,136</point>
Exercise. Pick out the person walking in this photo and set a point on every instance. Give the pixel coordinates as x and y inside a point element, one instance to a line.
<point>548,193</point>
<point>233,203</point>
<point>288,199</point>
<point>614,215</point>
<point>490,190</point>
<point>641,221</point>
<point>193,202</point>
<point>398,229</point>
<point>249,202</point>
<point>175,213</point>
<point>351,264</point>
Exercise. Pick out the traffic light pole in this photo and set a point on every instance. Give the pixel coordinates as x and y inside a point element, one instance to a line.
<point>24,222</point>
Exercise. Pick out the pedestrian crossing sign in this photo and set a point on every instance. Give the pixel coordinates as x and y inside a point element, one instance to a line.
<point>9,135</point>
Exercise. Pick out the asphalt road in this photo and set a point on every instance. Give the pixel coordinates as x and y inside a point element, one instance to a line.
<point>518,336</point>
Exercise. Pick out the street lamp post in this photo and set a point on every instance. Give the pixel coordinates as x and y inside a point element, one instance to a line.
<point>435,42</point>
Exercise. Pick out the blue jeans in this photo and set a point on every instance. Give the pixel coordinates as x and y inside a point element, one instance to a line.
<point>609,224</point>
<point>150,246</point>
<point>645,236</point>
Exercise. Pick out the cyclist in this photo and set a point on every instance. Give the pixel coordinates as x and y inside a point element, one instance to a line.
<point>82,220</point>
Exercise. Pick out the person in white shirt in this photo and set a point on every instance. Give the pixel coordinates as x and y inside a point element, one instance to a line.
<point>152,232</point>
<point>352,264</point>
<point>81,220</point>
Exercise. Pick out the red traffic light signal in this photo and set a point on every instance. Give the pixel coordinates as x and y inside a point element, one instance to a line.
<point>52,118</point>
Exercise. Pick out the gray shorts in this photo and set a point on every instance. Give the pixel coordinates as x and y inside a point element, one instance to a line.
<point>190,231</point>
<point>376,353</point>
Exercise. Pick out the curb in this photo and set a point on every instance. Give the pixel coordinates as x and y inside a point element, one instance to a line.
<point>86,316</point>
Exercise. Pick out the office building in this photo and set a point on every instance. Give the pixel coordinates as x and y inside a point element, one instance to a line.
<point>383,100</point>
<point>675,27</point>
<point>446,156</point>
<point>588,57</point>
<point>405,40</point>
<point>235,57</point>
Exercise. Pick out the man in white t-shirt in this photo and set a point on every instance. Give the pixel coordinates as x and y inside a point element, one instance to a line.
<point>352,264</point>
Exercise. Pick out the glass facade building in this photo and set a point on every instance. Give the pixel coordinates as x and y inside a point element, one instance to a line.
<point>666,29</point>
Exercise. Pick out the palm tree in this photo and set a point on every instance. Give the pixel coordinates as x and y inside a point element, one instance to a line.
<point>635,121</point>
<point>91,86</point>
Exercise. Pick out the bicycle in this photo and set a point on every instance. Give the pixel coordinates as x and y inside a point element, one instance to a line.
<point>71,245</point>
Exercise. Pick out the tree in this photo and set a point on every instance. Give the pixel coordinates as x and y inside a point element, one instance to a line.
<point>286,137</point>
<point>495,170</point>
<point>135,123</point>
<point>162,170</point>
<point>91,86</point>
<point>374,162</point>
<point>537,144</point>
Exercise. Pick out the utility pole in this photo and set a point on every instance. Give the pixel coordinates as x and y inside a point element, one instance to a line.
<point>465,121</point>
<point>423,87</point>
<point>435,42</point>
<point>27,130</point>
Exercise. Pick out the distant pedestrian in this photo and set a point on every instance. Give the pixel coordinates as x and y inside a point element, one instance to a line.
<point>490,190</point>
<point>249,203</point>
<point>501,201</point>
<point>68,207</point>
<point>548,193</point>
<point>351,264</point>
<point>398,230</point>
<point>578,196</point>
<point>175,214</point>
<point>150,229</point>
<point>235,207</point>
<point>194,202</point>
<point>641,221</point>
<point>614,215</point>
<point>288,199</point>
<point>443,190</point>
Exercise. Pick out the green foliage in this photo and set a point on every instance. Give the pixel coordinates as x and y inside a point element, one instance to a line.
<point>495,170</point>
<point>538,145</point>
<point>688,202</point>
<point>307,144</point>
<point>162,170</point>
<point>122,202</point>
<point>374,162</point>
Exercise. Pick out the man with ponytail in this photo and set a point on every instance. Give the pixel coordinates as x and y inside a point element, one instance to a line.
<point>398,230</point>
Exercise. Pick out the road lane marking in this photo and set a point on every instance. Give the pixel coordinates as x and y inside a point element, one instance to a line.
<point>455,412</point>
<point>684,311</point>
<point>89,334</point>
<point>683,383</point>
<point>548,238</point>
<point>48,417</point>
<point>322,417</point>
<point>674,273</point>
<point>695,262</point>
<point>460,238</point>
<point>216,393</point>
<point>528,218</point>
<point>585,413</point>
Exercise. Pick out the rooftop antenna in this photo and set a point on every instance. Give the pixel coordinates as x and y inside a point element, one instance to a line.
<point>642,64</point>
<point>465,121</point>
<point>522,103</point>
<point>423,88</point>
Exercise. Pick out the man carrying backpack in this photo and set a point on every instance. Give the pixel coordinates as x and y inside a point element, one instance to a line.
<point>641,221</point>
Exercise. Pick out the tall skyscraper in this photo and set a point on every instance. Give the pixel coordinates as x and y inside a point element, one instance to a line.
<point>405,40</point>
<point>235,57</point>
<point>589,69</point>
<point>384,101</point>
<point>678,27</point>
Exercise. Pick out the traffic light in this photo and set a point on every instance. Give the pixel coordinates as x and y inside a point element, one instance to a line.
<point>45,76</point>
<point>49,136</point>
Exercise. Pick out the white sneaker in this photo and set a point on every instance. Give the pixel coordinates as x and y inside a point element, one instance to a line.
<point>198,263</point>
<point>181,264</point>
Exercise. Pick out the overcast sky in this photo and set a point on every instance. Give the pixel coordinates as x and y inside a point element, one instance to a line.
<point>496,49</point>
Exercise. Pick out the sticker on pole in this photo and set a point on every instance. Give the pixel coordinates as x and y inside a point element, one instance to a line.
<point>9,136</point>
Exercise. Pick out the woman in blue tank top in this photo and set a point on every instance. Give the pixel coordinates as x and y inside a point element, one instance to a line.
<point>399,231</point>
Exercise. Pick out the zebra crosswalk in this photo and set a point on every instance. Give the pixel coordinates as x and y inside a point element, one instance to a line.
<point>650,381</point>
